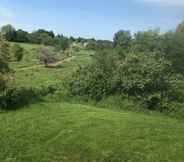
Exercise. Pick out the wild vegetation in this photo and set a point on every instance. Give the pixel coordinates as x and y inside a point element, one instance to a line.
<point>4,65</point>
<point>140,67</point>
<point>78,99</point>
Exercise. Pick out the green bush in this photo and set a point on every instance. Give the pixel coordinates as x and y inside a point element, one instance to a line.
<point>93,81</point>
<point>18,52</point>
<point>146,77</point>
<point>5,71</point>
<point>15,98</point>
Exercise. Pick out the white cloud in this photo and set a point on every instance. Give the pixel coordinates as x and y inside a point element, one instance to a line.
<point>176,3</point>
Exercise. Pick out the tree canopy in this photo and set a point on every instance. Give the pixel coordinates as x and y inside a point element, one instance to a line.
<point>122,39</point>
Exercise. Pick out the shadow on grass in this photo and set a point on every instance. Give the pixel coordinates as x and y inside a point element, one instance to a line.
<point>16,98</point>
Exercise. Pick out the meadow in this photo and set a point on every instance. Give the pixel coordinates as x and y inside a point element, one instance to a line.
<point>71,131</point>
<point>30,69</point>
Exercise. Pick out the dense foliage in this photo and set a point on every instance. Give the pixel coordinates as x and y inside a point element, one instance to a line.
<point>39,36</point>
<point>99,44</point>
<point>8,32</point>
<point>174,48</point>
<point>148,67</point>
<point>147,41</point>
<point>122,39</point>
<point>62,43</point>
<point>17,52</point>
<point>14,98</point>
<point>4,65</point>
<point>143,76</point>
<point>94,81</point>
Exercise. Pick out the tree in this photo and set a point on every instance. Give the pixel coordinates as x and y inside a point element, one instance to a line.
<point>99,44</point>
<point>72,39</point>
<point>46,56</point>
<point>180,28</point>
<point>4,67</point>
<point>122,39</point>
<point>22,36</point>
<point>18,52</point>
<point>42,36</point>
<point>8,32</point>
<point>174,48</point>
<point>147,41</point>
<point>62,43</point>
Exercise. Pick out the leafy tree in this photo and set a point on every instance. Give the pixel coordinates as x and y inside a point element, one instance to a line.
<point>144,76</point>
<point>18,52</point>
<point>22,36</point>
<point>72,39</point>
<point>99,44</point>
<point>8,32</point>
<point>42,31</point>
<point>62,43</point>
<point>174,48</point>
<point>81,40</point>
<point>42,36</point>
<point>122,39</point>
<point>147,41</point>
<point>95,80</point>
<point>47,40</point>
<point>180,28</point>
<point>46,56</point>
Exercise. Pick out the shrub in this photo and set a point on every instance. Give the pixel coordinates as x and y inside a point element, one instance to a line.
<point>93,81</point>
<point>18,97</point>
<point>15,98</point>
<point>18,52</point>
<point>62,43</point>
<point>5,72</point>
<point>143,76</point>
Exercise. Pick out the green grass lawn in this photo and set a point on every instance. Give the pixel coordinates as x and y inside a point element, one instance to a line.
<point>63,132</point>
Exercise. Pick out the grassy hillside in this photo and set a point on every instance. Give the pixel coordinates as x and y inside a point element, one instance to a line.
<point>56,132</point>
<point>69,132</point>
<point>30,69</point>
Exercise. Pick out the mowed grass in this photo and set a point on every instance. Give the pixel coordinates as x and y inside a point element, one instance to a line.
<point>63,132</point>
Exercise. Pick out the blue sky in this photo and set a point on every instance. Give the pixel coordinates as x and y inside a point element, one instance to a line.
<point>92,18</point>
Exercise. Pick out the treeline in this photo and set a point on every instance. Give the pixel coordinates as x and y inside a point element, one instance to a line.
<point>168,45</point>
<point>42,36</point>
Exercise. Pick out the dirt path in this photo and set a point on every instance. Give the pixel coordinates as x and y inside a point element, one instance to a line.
<point>49,65</point>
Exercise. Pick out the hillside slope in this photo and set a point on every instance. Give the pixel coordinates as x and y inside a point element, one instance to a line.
<point>63,132</point>
<point>30,70</point>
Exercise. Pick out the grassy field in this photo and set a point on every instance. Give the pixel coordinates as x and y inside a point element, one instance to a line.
<point>63,131</point>
<point>56,132</point>
<point>30,69</point>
